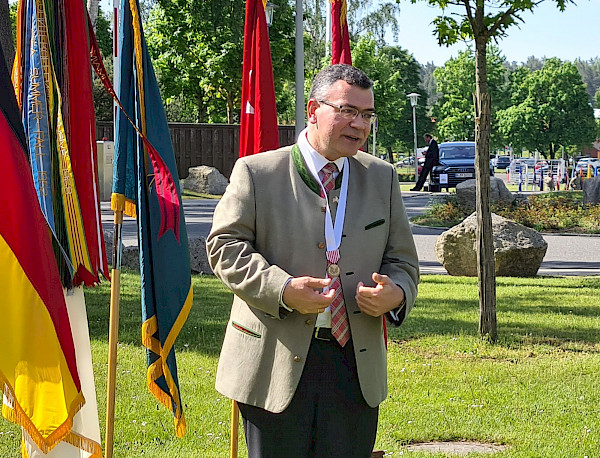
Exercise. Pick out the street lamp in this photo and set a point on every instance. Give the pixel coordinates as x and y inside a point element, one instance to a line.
<point>269,9</point>
<point>414,97</point>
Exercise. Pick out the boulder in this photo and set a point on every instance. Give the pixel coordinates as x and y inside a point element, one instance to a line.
<point>198,257</point>
<point>591,191</point>
<point>466,192</point>
<point>518,250</point>
<point>130,258</point>
<point>204,179</point>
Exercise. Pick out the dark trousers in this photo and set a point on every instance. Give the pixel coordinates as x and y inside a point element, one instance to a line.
<point>424,172</point>
<point>328,416</point>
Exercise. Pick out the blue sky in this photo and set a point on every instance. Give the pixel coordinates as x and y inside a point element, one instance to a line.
<point>545,32</point>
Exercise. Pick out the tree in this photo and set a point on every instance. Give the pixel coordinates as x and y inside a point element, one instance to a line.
<point>590,74</point>
<point>6,35</point>
<point>197,50</point>
<point>456,83</point>
<point>395,74</point>
<point>480,26</point>
<point>364,17</point>
<point>103,102</point>
<point>550,108</point>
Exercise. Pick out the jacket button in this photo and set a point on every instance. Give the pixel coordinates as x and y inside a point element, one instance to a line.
<point>309,322</point>
<point>297,359</point>
<point>323,209</point>
<point>321,246</point>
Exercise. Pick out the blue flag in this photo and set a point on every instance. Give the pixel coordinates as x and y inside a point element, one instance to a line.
<point>145,185</point>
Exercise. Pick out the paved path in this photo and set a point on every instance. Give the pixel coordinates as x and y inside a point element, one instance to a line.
<point>566,255</point>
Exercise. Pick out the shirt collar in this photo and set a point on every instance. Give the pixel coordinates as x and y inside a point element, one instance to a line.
<point>319,160</point>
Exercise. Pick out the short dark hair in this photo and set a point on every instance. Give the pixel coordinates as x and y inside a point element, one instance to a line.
<point>329,75</point>
<point>428,135</point>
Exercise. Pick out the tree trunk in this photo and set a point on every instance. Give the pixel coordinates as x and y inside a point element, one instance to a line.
<point>92,7</point>
<point>6,39</point>
<point>486,265</point>
<point>230,108</point>
<point>200,105</point>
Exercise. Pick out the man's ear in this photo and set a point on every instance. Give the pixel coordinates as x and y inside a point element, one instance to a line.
<point>310,111</point>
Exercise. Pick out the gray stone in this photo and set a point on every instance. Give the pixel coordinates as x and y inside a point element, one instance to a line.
<point>130,258</point>
<point>518,250</point>
<point>204,179</point>
<point>466,192</point>
<point>198,257</point>
<point>591,191</point>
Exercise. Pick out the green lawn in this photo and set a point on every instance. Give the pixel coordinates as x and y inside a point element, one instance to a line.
<point>536,390</point>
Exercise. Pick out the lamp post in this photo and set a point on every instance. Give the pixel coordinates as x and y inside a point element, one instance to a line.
<point>269,9</point>
<point>300,107</point>
<point>414,97</point>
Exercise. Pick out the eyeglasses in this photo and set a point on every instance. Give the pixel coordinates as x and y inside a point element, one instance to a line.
<point>350,113</point>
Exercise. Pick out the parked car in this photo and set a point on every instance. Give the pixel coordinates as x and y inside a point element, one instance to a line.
<point>585,163</point>
<point>457,164</point>
<point>406,162</point>
<point>501,162</point>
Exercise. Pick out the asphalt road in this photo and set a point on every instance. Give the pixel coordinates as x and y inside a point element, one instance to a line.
<point>566,255</point>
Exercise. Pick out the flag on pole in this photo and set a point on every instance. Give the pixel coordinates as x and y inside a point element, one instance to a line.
<point>340,39</point>
<point>146,185</point>
<point>38,370</point>
<point>52,78</point>
<point>258,122</point>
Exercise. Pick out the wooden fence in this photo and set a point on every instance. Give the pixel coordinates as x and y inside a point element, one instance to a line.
<point>215,145</point>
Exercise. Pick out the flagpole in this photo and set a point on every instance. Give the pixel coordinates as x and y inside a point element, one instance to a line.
<point>113,334</point>
<point>235,428</point>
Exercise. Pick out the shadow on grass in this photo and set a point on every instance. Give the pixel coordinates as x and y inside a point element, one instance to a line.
<point>545,310</point>
<point>202,332</point>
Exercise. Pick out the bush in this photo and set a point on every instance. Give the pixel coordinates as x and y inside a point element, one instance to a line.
<point>549,212</point>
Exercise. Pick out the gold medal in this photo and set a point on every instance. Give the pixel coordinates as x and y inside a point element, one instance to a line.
<point>333,270</point>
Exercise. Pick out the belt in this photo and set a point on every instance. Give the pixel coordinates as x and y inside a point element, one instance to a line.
<point>324,334</point>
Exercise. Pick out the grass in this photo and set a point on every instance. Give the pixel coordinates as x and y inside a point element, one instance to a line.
<point>187,194</point>
<point>536,390</point>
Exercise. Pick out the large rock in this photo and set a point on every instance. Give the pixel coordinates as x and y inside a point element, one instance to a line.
<point>466,192</point>
<point>518,250</point>
<point>130,257</point>
<point>198,257</point>
<point>204,179</point>
<point>591,191</point>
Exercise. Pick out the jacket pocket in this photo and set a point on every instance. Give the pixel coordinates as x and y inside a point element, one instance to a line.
<point>245,330</point>
<point>379,222</point>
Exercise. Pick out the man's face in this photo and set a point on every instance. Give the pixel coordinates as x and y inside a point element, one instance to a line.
<point>329,133</point>
<point>426,139</point>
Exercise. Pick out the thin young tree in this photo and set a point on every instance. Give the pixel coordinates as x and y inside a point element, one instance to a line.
<point>482,21</point>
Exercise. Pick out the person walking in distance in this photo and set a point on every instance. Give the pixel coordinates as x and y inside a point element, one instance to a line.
<point>314,241</point>
<point>432,158</point>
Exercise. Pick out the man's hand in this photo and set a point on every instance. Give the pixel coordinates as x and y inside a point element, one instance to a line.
<point>299,294</point>
<point>381,298</point>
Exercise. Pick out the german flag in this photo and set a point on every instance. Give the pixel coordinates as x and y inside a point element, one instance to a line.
<point>38,369</point>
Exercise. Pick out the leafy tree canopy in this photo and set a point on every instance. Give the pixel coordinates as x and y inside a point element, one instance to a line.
<point>395,73</point>
<point>550,108</point>
<point>456,82</point>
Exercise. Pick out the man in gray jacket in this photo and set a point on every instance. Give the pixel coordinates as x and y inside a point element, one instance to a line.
<point>315,244</point>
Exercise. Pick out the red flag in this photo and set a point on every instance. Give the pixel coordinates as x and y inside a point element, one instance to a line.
<point>340,40</point>
<point>258,130</point>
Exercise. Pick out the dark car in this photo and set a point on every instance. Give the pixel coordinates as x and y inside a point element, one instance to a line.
<point>501,162</point>
<point>457,164</point>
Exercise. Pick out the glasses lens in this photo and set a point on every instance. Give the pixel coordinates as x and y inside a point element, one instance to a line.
<point>348,112</point>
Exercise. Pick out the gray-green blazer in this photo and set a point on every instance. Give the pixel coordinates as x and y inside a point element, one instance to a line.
<point>269,226</point>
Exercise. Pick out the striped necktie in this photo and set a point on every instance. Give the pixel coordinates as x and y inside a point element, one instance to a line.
<point>340,326</point>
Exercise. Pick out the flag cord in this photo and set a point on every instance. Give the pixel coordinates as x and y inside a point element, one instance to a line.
<point>113,334</point>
